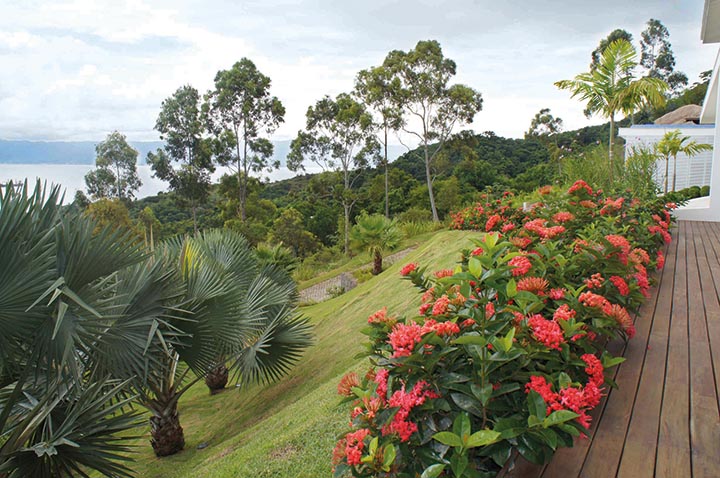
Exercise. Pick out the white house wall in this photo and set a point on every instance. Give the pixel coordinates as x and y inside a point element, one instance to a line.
<point>694,171</point>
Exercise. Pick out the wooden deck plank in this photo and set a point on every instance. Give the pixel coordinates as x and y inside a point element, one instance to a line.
<point>640,445</point>
<point>704,424</point>
<point>673,457</point>
<point>606,449</point>
<point>710,282</point>
<point>664,420</point>
<point>569,461</point>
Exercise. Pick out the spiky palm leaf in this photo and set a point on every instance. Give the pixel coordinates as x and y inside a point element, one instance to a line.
<point>63,287</point>
<point>271,354</point>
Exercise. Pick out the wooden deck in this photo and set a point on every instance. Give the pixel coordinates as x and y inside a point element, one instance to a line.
<point>664,419</point>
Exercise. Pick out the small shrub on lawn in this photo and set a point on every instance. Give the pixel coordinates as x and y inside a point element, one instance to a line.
<point>507,351</point>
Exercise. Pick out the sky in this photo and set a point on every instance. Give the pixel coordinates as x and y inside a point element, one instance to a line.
<point>77,70</point>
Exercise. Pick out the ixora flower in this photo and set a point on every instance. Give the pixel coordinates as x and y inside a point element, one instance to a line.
<point>403,339</point>
<point>547,332</point>
<point>580,185</point>
<point>532,325</point>
<point>408,269</point>
<point>521,265</point>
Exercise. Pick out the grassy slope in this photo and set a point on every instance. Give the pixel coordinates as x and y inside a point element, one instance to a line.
<point>288,429</point>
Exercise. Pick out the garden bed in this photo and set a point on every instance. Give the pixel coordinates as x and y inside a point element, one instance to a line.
<point>508,352</point>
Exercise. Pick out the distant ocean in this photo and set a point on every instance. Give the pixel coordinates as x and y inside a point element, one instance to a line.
<point>72,176</point>
<point>66,163</point>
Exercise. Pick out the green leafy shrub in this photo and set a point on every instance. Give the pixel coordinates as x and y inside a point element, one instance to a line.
<point>507,350</point>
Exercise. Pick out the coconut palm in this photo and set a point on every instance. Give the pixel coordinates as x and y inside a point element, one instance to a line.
<point>611,88</point>
<point>376,234</point>
<point>60,306</point>
<point>674,143</point>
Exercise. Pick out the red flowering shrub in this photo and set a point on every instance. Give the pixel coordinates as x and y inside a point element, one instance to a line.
<point>505,352</point>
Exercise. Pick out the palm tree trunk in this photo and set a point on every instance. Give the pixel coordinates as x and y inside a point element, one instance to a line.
<point>377,262</point>
<point>674,171</point>
<point>217,379</point>
<point>611,146</point>
<point>167,434</point>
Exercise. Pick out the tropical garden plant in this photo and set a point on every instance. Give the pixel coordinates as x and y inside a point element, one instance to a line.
<point>93,323</point>
<point>376,234</point>
<point>672,144</point>
<point>611,88</point>
<point>507,351</point>
<point>72,297</point>
<point>241,313</point>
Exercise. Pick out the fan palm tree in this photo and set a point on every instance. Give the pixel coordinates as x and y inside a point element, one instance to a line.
<point>239,312</point>
<point>611,88</point>
<point>376,234</point>
<point>60,278</point>
<point>674,143</point>
<point>90,324</point>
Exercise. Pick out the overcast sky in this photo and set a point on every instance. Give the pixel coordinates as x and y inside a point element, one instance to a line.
<point>76,70</point>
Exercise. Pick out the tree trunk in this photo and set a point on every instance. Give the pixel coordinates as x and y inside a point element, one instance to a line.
<point>674,171</point>
<point>152,240</point>
<point>435,216</point>
<point>217,379</point>
<point>194,212</point>
<point>387,194</point>
<point>167,434</point>
<point>611,146</point>
<point>377,263</point>
<point>346,207</point>
<point>667,170</point>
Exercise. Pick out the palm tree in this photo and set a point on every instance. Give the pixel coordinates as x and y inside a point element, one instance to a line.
<point>90,323</point>
<point>611,88</point>
<point>239,312</point>
<point>60,309</point>
<point>376,234</point>
<point>674,143</point>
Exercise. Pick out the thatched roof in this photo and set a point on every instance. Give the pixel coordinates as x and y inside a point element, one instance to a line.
<point>688,114</point>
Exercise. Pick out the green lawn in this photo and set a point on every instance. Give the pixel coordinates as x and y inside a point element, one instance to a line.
<point>288,429</point>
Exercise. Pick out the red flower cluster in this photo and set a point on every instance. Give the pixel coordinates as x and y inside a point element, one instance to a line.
<point>354,445</point>
<point>563,217</point>
<point>538,227</point>
<point>660,260</point>
<point>595,281</point>
<point>580,185</point>
<point>441,306</point>
<point>577,399</point>
<point>547,332</point>
<point>564,312</point>
<point>590,299</point>
<point>621,285</point>
<point>444,273</point>
<point>521,265</point>
<point>380,317</point>
<point>440,328</point>
<point>492,222</point>
<point>408,269</point>
<point>557,294</point>
<point>406,401</point>
<point>403,339</point>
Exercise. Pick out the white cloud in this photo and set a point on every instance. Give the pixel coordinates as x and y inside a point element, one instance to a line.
<point>78,69</point>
